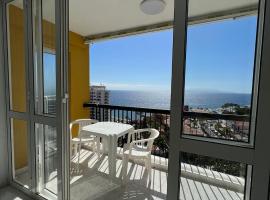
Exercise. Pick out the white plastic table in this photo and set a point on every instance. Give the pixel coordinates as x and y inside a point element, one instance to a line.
<point>110,131</point>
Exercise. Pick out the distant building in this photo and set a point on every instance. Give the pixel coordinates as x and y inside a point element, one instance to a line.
<point>99,95</point>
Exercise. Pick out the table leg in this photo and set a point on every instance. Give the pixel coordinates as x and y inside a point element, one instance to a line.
<point>105,144</point>
<point>112,156</point>
<point>98,146</point>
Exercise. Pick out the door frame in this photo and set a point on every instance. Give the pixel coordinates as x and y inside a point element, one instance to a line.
<point>4,165</point>
<point>61,119</point>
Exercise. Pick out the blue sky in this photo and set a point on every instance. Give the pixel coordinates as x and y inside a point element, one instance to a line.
<point>220,57</point>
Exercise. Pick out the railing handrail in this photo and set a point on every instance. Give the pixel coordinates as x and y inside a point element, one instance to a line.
<point>210,116</point>
<point>128,108</point>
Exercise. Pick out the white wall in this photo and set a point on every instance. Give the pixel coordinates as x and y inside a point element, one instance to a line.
<point>3,134</point>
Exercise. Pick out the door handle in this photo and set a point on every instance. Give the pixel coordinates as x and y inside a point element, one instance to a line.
<point>65,99</point>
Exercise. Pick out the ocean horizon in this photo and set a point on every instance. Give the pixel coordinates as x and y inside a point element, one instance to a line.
<point>161,99</point>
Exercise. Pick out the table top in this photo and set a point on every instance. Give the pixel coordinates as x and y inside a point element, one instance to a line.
<point>107,129</point>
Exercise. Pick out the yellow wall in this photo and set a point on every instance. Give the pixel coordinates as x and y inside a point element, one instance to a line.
<point>20,143</point>
<point>78,77</point>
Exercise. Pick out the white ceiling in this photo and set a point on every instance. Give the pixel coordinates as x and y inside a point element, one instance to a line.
<point>91,17</point>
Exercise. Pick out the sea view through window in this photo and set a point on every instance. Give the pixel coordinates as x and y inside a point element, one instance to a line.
<point>220,56</point>
<point>136,72</point>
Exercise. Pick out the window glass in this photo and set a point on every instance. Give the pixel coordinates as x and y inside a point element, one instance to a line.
<point>220,57</point>
<point>46,158</point>
<point>21,172</point>
<point>44,57</point>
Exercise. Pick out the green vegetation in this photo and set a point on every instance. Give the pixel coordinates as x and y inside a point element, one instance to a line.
<point>228,105</point>
<point>242,110</point>
<point>161,144</point>
<point>232,108</point>
<point>219,165</point>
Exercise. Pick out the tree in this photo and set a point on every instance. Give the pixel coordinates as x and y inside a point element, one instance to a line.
<point>242,110</point>
<point>227,105</point>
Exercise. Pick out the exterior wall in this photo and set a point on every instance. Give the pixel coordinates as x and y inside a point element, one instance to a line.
<point>78,77</point>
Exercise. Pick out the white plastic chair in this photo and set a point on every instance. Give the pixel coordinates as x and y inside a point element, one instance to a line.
<point>139,149</point>
<point>76,142</point>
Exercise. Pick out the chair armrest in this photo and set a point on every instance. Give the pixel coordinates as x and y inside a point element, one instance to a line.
<point>141,130</point>
<point>141,141</point>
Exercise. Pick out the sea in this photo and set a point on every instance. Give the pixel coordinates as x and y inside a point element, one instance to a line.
<point>161,99</point>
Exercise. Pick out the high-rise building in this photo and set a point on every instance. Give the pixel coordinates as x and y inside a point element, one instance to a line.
<point>99,95</point>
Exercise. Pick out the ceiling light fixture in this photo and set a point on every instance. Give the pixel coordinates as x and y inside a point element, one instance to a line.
<point>152,7</point>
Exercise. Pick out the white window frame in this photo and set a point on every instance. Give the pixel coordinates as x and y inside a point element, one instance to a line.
<point>3,120</point>
<point>254,156</point>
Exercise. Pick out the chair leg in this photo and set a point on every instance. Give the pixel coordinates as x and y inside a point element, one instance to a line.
<point>124,168</point>
<point>97,141</point>
<point>149,167</point>
<point>75,148</point>
<point>71,150</point>
<point>79,153</point>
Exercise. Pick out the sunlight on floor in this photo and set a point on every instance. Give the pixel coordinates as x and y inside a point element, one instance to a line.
<point>90,180</point>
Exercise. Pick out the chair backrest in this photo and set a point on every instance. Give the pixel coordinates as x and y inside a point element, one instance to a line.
<point>81,123</point>
<point>153,135</point>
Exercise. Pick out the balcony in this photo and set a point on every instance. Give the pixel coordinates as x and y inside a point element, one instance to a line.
<point>196,182</point>
<point>91,179</point>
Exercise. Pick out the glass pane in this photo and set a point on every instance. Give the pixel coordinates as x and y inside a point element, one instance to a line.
<point>220,61</point>
<point>16,55</point>
<point>21,172</point>
<point>44,56</point>
<point>207,178</point>
<point>47,159</point>
<point>49,79</point>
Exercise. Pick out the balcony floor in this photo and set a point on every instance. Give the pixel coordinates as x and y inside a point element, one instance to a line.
<point>91,181</point>
<point>8,193</point>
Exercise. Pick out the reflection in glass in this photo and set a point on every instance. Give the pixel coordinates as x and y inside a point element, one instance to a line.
<point>16,55</point>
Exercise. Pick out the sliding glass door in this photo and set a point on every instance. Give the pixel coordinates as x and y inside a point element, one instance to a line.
<point>36,95</point>
<point>44,40</point>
